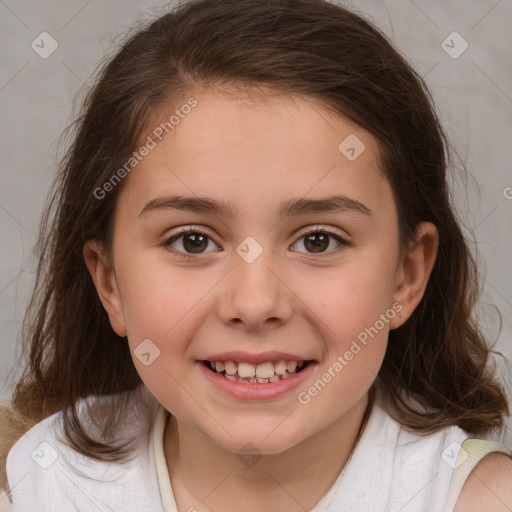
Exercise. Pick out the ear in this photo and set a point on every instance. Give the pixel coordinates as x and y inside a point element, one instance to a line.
<point>103,275</point>
<point>414,271</point>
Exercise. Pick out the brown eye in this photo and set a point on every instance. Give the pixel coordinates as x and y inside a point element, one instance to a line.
<point>192,241</point>
<point>319,240</point>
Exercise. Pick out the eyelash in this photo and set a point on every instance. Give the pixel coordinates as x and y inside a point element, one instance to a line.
<point>186,231</point>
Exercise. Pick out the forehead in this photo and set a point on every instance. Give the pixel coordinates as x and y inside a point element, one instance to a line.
<point>256,151</point>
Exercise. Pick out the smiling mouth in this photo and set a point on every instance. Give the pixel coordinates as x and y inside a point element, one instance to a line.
<point>262,373</point>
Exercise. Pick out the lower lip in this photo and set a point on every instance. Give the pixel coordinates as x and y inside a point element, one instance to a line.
<point>254,390</point>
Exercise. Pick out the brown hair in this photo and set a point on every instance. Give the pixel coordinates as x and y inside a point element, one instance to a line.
<point>435,372</point>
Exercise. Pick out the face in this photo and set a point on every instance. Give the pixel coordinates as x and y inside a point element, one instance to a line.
<point>258,281</point>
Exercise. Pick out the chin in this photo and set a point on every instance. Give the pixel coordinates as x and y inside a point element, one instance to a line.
<point>260,440</point>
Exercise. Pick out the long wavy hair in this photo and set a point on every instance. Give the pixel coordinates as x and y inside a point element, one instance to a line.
<point>438,369</point>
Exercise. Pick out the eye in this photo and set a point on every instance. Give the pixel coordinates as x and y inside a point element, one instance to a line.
<point>318,240</point>
<point>194,241</point>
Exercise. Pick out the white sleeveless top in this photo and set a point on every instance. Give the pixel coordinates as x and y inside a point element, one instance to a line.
<point>389,470</point>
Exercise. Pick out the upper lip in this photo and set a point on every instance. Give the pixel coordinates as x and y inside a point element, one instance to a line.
<point>255,358</point>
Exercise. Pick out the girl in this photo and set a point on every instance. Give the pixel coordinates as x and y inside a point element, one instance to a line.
<point>253,290</point>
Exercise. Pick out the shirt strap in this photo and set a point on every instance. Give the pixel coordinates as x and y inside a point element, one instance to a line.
<point>164,479</point>
<point>471,453</point>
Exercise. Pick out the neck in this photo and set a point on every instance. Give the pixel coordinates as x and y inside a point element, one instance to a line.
<point>203,474</point>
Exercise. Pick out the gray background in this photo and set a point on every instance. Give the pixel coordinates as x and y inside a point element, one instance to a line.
<point>473,94</point>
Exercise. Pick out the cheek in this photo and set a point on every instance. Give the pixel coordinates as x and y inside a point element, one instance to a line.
<point>352,308</point>
<point>163,311</point>
<point>351,311</point>
<point>351,297</point>
<point>157,294</point>
<point>161,303</point>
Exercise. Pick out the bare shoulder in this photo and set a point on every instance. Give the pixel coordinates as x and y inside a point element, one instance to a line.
<point>489,486</point>
<point>5,506</point>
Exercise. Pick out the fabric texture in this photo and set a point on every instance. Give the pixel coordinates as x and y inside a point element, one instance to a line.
<point>45,475</point>
<point>390,470</point>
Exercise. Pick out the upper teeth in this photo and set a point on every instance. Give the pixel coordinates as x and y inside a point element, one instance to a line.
<point>262,370</point>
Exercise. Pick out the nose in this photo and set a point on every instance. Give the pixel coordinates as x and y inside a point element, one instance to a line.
<point>255,294</point>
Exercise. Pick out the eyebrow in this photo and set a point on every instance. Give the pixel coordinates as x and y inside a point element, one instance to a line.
<point>294,206</point>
